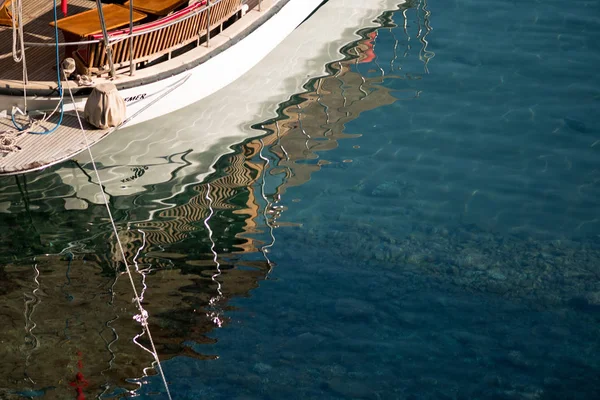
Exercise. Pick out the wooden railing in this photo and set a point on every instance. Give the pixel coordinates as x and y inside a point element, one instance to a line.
<point>155,39</point>
<point>5,16</point>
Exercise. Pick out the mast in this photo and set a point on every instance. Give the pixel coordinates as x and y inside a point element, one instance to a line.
<point>131,63</point>
<point>107,47</point>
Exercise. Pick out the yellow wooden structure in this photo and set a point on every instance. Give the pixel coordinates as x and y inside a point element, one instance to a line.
<point>5,15</point>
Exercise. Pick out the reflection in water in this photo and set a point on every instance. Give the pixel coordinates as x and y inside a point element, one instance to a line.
<point>422,16</point>
<point>67,309</point>
<point>435,297</point>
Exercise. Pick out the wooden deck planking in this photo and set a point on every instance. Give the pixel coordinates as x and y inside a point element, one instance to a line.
<point>40,151</point>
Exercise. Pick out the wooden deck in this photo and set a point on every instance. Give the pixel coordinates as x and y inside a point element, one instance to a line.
<point>40,151</point>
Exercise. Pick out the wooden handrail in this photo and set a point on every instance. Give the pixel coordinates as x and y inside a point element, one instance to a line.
<point>150,43</point>
<point>5,15</point>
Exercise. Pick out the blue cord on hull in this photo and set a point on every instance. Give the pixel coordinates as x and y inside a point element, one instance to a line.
<point>58,80</point>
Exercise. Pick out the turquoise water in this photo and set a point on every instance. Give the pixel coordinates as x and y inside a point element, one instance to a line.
<point>457,255</point>
<point>429,232</point>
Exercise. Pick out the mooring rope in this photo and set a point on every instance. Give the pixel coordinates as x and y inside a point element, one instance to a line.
<point>17,27</point>
<point>143,316</point>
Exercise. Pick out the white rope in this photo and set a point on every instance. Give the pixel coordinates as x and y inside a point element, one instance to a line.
<point>143,317</point>
<point>17,26</point>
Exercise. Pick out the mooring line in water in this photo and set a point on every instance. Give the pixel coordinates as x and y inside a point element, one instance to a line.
<point>142,318</point>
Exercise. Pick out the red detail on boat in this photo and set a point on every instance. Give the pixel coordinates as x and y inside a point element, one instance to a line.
<point>63,7</point>
<point>80,382</point>
<point>153,24</point>
<point>369,53</point>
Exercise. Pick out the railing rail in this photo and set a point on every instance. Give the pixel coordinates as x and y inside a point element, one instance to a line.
<point>125,36</point>
<point>156,40</point>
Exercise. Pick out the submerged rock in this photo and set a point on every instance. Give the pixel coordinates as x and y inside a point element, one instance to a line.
<point>575,125</point>
<point>262,368</point>
<point>548,273</point>
<point>350,388</point>
<point>354,308</point>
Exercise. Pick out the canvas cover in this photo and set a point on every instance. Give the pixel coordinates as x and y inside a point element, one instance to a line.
<point>105,108</point>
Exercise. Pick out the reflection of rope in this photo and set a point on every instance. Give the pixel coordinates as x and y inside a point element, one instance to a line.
<point>30,304</point>
<point>115,337</point>
<point>142,317</point>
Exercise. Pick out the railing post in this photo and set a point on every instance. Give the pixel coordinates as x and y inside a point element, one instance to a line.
<point>259,5</point>
<point>209,5</point>
<point>131,63</point>
<point>107,47</point>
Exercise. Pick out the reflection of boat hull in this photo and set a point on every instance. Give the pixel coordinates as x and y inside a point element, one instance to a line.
<point>163,148</point>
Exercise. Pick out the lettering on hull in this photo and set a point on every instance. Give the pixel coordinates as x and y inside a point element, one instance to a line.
<point>137,97</point>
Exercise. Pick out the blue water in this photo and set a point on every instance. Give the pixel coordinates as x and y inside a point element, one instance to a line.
<point>457,256</point>
<point>447,248</point>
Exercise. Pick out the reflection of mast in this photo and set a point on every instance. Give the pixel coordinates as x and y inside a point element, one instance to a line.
<point>405,26</point>
<point>423,20</point>
<point>396,42</point>
<point>213,313</point>
<point>270,207</point>
<point>31,340</point>
<point>335,100</point>
<point>424,54</point>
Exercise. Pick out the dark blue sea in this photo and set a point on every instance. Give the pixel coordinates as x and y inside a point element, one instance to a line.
<point>423,222</point>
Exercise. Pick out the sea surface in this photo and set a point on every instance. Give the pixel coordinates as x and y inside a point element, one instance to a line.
<point>422,222</point>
